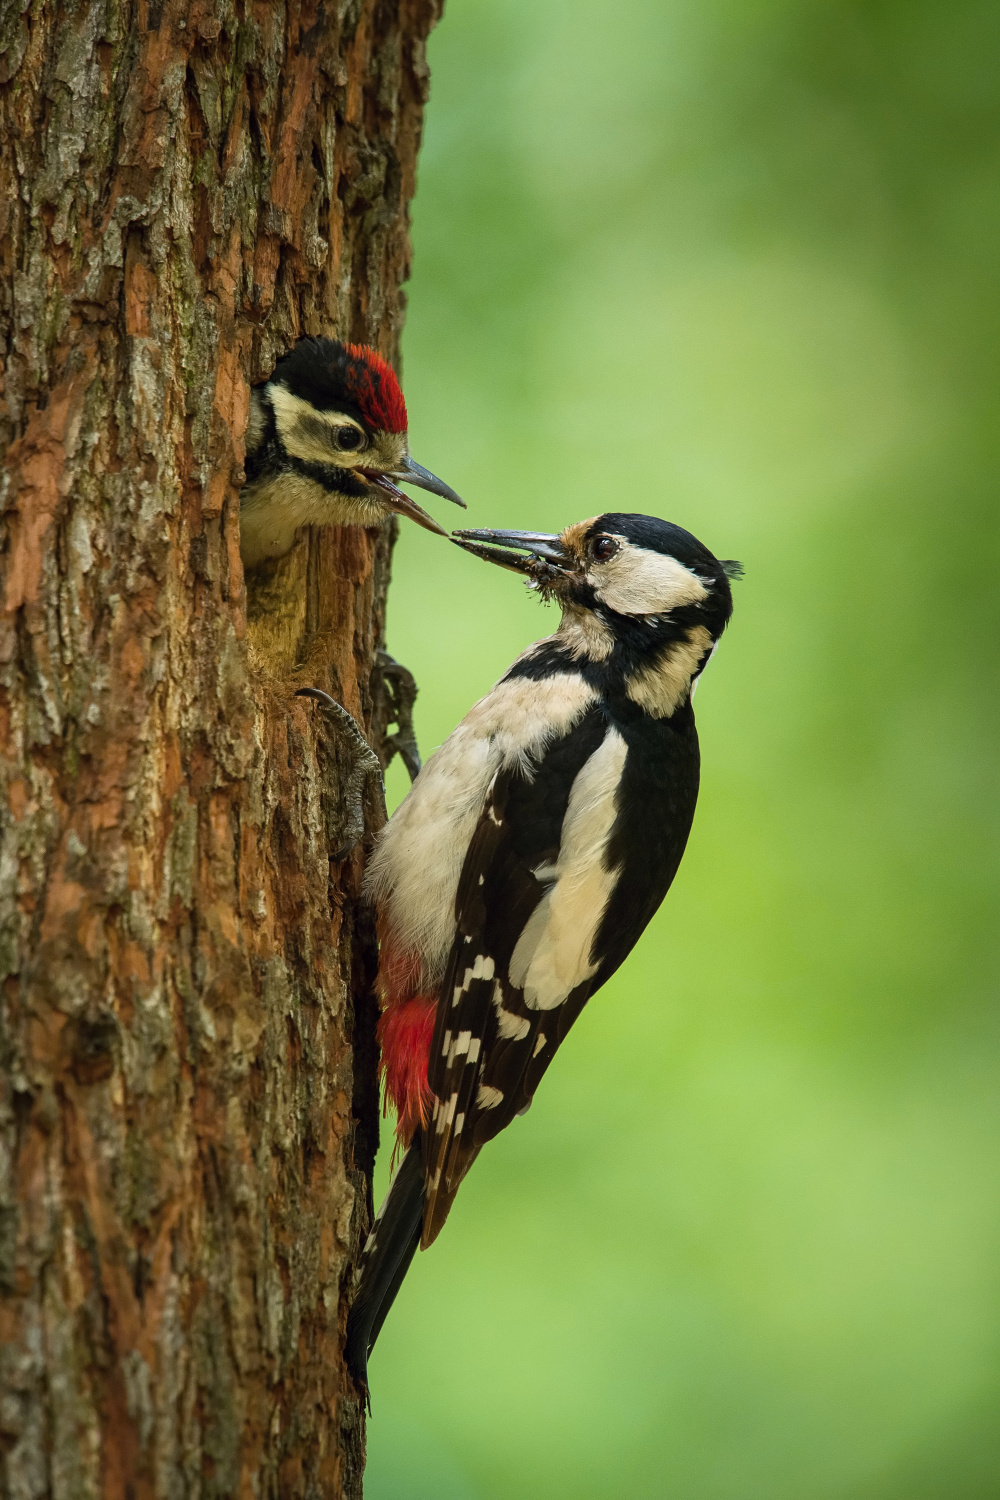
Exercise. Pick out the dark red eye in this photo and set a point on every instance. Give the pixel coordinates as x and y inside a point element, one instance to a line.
<point>603,547</point>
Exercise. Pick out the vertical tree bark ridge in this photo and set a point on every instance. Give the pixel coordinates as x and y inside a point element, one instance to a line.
<point>185,1140</point>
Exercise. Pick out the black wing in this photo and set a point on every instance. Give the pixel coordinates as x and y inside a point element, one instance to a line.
<point>490,1048</point>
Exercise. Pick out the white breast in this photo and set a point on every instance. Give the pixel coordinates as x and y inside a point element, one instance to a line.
<point>413,874</point>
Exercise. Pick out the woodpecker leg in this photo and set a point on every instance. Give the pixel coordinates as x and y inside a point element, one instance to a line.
<point>401,690</point>
<point>365,768</point>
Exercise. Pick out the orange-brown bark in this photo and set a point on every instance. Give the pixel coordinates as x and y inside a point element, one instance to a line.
<point>187,1110</point>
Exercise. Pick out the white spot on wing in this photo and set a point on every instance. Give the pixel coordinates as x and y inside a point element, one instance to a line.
<point>539,1043</point>
<point>447,1115</point>
<point>488,1098</point>
<point>481,968</point>
<point>512,1028</point>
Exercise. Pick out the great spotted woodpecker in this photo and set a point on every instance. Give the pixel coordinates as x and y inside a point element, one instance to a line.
<point>530,854</point>
<point>327,445</point>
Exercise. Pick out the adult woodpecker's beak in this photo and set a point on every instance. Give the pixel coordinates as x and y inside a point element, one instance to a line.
<point>412,473</point>
<point>541,557</point>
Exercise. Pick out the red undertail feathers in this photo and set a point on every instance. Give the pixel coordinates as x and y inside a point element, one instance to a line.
<point>405,1033</point>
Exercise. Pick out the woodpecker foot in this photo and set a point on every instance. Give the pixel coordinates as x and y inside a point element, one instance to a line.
<point>401,691</point>
<point>364,769</point>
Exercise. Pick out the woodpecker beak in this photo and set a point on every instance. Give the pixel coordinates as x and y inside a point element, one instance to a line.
<point>411,473</point>
<point>539,556</point>
<point>394,499</point>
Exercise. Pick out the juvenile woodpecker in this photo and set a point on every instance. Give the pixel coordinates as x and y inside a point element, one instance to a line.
<point>531,852</point>
<point>327,445</point>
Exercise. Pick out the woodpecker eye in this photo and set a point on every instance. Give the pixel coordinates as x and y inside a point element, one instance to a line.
<point>602,548</point>
<point>348,438</point>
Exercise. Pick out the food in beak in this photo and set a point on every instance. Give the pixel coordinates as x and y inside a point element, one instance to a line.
<point>540,556</point>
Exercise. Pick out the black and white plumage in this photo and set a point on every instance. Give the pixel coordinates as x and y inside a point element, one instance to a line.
<point>327,444</point>
<point>530,854</point>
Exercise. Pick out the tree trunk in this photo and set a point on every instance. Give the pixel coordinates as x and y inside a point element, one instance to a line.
<point>187,1102</point>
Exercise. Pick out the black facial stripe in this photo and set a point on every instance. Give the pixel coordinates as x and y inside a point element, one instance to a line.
<point>331,477</point>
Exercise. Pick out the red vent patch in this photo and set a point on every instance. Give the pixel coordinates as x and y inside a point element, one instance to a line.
<point>405,1034</point>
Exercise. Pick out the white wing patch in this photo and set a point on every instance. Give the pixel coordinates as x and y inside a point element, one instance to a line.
<point>552,955</point>
<point>414,870</point>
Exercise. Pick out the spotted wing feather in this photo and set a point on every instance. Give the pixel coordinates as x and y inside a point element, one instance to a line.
<point>485,1057</point>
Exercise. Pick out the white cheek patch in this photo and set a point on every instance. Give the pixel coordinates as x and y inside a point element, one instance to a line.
<point>639,582</point>
<point>306,433</point>
<point>310,435</point>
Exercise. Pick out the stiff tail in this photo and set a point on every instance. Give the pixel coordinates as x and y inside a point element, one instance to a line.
<point>386,1259</point>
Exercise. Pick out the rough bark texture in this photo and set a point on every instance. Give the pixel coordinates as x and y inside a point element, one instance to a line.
<point>187,1112</point>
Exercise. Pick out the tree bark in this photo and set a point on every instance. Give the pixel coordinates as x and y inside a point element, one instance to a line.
<point>187,1103</point>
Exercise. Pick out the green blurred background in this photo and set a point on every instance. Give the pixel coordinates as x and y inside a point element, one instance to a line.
<point>734,264</point>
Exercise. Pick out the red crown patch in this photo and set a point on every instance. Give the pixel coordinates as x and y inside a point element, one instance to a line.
<point>372,384</point>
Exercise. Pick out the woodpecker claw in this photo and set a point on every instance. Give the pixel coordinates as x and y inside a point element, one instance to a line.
<point>365,767</point>
<point>401,691</point>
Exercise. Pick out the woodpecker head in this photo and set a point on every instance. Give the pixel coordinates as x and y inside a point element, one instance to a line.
<point>631,588</point>
<point>327,443</point>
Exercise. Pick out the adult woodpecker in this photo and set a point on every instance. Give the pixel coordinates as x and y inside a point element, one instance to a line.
<point>531,852</point>
<point>327,445</point>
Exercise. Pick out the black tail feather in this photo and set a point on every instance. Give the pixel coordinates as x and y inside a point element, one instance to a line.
<point>386,1260</point>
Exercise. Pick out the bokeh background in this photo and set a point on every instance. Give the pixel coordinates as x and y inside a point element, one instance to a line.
<point>735,264</point>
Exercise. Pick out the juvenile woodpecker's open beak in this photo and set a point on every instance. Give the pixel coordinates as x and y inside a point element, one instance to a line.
<point>411,473</point>
<point>394,499</point>
<point>540,556</point>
